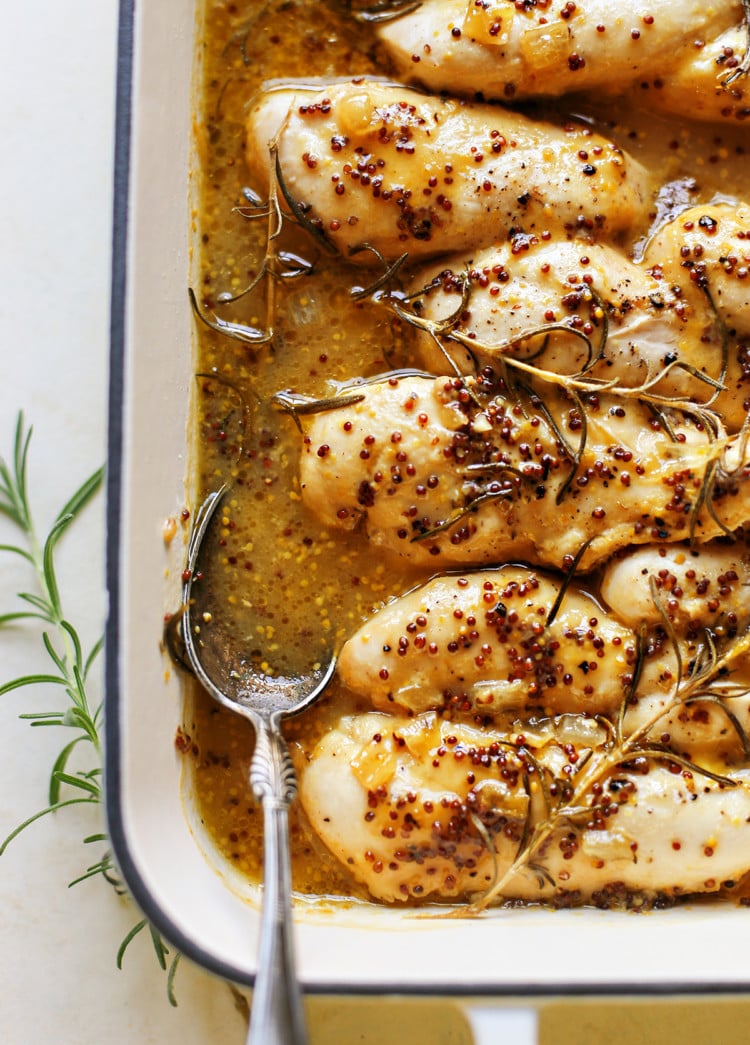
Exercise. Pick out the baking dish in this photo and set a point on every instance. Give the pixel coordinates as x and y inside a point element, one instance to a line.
<point>184,889</point>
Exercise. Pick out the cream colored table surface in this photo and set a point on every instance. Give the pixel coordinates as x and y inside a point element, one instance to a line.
<point>58,979</point>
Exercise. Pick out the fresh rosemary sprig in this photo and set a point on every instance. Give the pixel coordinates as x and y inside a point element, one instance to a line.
<point>71,667</point>
<point>446,333</point>
<point>277,265</point>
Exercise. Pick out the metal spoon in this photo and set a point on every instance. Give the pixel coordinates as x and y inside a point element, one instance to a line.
<point>277,1016</point>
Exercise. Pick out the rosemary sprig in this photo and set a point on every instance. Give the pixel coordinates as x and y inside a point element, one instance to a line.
<point>71,667</point>
<point>277,265</point>
<point>446,333</point>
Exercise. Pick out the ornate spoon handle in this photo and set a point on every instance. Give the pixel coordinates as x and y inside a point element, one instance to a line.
<point>277,1016</point>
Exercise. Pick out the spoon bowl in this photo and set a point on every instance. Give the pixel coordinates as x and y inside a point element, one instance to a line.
<point>236,680</point>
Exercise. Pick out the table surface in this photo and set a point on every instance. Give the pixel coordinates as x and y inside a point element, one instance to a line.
<point>59,945</point>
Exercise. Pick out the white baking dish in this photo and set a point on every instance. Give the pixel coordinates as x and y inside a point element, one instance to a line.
<point>187,895</point>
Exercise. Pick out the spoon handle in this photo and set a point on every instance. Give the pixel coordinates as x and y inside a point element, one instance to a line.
<point>277,1015</point>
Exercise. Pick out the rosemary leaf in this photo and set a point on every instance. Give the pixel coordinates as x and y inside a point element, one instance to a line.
<point>171,973</point>
<point>31,680</point>
<point>38,815</point>
<point>93,654</point>
<point>88,489</point>
<point>17,551</point>
<point>81,783</point>
<point>10,618</point>
<point>129,937</point>
<point>41,604</point>
<point>160,947</point>
<point>48,566</point>
<point>56,778</point>
<point>90,872</point>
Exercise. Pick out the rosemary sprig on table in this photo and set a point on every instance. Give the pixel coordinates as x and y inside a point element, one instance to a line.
<point>70,671</point>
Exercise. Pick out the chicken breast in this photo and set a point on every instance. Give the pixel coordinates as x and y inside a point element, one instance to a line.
<point>658,318</point>
<point>706,251</point>
<point>479,642</point>
<point>500,642</point>
<point>424,808</point>
<point>449,471</point>
<point>700,86</point>
<point>705,587</point>
<point>501,49</point>
<point>704,593</point>
<point>374,162</point>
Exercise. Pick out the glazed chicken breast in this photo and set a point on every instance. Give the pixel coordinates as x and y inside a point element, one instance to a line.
<point>706,251</point>
<point>684,311</point>
<point>514,641</point>
<point>504,50</point>
<point>424,808</point>
<point>368,161</point>
<point>448,471</point>
<point>706,84</point>
<point>480,643</point>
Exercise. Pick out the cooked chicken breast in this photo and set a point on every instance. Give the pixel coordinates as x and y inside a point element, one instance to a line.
<point>445,471</point>
<point>373,162</point>
<point>499,642</point>
<point>479,642</point>
<point>705,595</point>
<point>681,312</point>
<point>697,588</point>
<point>706,251</point>
<point>698,86</point>
<point>501,49</point>
<point>423,808</point>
